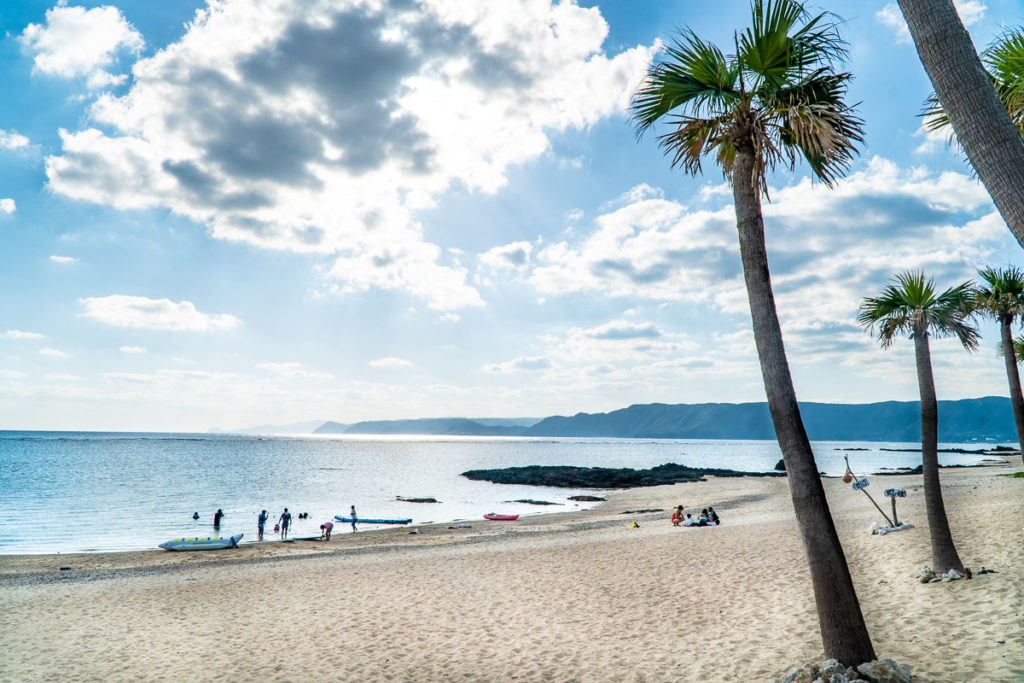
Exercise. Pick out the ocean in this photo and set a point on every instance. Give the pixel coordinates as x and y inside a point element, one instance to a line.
<point>64,492</point>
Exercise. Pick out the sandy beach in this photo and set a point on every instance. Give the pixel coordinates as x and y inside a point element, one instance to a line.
<point>576,596</point>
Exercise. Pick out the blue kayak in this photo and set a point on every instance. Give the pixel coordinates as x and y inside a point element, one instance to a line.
<point>360,520</point>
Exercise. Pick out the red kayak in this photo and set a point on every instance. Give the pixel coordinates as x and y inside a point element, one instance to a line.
<point>501,518</point>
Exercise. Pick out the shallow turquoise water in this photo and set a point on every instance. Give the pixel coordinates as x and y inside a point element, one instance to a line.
<point>87,491</point>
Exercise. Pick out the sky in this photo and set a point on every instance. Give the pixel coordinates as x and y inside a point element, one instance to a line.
<point>242,212</point>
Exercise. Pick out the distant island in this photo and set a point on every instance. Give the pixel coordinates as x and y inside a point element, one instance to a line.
<point>986,419</point>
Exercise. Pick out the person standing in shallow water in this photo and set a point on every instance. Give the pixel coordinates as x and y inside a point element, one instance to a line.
<point>285,521</point>
<point>352,516</point>
<point>261,521</point>
<point>217,517</point>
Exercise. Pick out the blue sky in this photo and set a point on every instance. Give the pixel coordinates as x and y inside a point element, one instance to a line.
<point>267,212</point>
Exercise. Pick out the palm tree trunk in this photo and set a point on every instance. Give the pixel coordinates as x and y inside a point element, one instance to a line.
<point>980,120</point>
<point>944,555</point>
<point>1013,377</point>
<point>843,632</point>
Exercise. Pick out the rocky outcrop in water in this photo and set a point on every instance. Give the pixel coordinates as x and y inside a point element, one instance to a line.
<point>604,477</point>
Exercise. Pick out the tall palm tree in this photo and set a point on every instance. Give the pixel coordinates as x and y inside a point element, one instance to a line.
<point>911,306</point>
<point>981,122</point>
<point>776,99</point>
<point>1001,296</point>
<point>1003,59</point>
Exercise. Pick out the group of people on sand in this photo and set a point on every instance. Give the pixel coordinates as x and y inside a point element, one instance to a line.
<point>707,517</point>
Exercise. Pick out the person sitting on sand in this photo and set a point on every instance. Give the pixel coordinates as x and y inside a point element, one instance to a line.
<point>703,519</point>
<point>325,531</point>
<point>285,521</point>
<point>677,516</point>
<point>690,521</point>
<point>712,516</point>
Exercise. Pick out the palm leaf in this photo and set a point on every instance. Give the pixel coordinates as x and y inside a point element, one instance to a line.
<point>694,74</point>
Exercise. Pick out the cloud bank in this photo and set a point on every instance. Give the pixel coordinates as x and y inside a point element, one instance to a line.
<point>324,129</point>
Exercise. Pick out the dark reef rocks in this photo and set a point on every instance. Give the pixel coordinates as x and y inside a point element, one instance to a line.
<point>604,477</point>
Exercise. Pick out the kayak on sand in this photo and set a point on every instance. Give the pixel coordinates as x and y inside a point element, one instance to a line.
<point>501,518</point>
<point>202,543</point>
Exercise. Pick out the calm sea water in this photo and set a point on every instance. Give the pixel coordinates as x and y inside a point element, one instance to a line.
<point>89,491</point>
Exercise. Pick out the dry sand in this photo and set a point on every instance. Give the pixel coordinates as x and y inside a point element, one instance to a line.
<point>579,596</point>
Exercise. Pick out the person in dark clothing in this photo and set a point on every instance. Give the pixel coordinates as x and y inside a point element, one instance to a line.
<point>217,517</point>
<point>285,521</point>
<point>260,522</point>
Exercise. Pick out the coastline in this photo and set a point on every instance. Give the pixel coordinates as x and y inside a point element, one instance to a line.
<point>567,595</point>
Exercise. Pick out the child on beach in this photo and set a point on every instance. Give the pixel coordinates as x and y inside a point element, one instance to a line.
<point>690,521</point>
<point>677,516</point>
<point>325,531</point>
<point>352,515</point>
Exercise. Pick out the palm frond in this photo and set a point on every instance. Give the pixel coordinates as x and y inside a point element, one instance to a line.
<point>910,305</point>
<point>693,74</point>
<point>1004,60</point>
<point>776,46</point>
<point>1002,294</point>
<point>692,138</point>
<point>813,117</point>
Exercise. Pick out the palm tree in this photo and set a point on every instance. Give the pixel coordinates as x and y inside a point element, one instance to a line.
<point>1004,62</point>
<point>1002,297</point>
<point>775,99</point>
<point>980,121</point>
<point>911,306</point>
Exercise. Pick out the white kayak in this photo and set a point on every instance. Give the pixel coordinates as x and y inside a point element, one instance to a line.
<point>202,543</point>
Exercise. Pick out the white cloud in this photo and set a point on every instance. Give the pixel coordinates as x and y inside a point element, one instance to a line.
<point>292,370</point>
<point>133,349</point>
<point>58,377</point>
<point>970,11</point>
<point>158,314</point>
<point>18,334</point>
<point>10,139</point>
<point>325,127</point>
<point>620,329</point>
<point>514,256</point>
<point>76,42</point>
<point>7,205</point>
<point>934,140</point>
<point>63,259</point>
<point>535,364</point>
<point>650,248</point>
<point>53,353</point>
<point>390,362</point>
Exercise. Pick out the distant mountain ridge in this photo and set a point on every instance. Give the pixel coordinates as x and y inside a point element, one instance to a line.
<point>450,426</point>
<point>964,420</point>
<point>975,419</point>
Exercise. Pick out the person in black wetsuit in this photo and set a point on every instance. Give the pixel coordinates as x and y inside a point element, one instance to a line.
<point>217,517</point>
